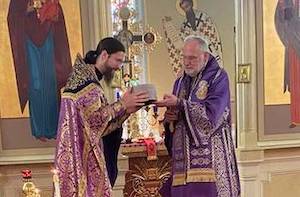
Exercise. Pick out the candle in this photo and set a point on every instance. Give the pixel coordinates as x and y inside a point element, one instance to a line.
<point>118,95</point>
<point>155,109</point>
<point>56,183</point>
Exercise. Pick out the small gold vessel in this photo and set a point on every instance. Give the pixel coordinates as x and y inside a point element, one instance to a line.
<point>29,189</point>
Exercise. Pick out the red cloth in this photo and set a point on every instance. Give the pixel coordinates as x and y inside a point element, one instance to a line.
<point>150,147</point>
<point>26,174</point>
<point>294,86</point>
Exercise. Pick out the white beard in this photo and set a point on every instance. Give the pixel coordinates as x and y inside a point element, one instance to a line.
<point>192,73</point>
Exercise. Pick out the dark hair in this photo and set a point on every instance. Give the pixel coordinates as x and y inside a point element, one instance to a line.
<point>189,1</point>
<point>109,44</point>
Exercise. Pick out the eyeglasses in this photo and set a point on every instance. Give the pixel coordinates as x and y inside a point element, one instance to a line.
<point>190,58</point>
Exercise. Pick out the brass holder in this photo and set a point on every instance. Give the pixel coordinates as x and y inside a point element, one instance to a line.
<point>133,127</point>
<point>29,189</point>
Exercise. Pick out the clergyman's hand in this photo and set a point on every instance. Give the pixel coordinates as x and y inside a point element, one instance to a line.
<point>169,100</point>
<point>134,101</point>
<point>171,115</point>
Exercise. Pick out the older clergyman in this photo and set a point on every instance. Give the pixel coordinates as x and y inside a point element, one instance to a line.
<point>198,128</point>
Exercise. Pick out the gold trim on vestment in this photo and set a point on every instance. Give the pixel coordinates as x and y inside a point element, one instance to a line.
<point>80,93</point>
<point>194,175</point>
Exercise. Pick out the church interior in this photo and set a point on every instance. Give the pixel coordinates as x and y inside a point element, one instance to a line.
<point>256,42</point>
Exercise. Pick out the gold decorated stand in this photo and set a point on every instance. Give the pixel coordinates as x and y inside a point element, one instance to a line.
<point>145,177</point>
<point>146,172</point>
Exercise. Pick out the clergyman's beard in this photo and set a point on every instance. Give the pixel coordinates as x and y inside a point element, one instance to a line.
<point>192,73</point>
<point>108,76</point>
<point>191,18</point>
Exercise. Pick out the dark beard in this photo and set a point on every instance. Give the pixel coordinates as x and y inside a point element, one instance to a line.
<point>191,18</point>
<point>108,76</point>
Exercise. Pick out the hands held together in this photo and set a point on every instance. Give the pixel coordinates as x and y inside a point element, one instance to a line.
<point>133,101</point>
<point>171,102</point>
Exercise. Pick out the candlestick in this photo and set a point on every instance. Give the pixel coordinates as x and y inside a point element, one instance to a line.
<point>28,186</point>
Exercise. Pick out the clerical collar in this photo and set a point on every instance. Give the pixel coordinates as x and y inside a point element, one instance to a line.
<point>98,73</point>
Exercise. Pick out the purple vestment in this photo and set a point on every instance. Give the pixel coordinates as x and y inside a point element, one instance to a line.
<point>85,117</point>
<point>203,157</point>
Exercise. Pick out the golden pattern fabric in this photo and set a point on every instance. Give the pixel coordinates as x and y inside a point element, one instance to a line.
<point>85,117</point>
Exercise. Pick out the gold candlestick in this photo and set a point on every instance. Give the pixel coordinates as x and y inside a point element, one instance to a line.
<point>29,189</point>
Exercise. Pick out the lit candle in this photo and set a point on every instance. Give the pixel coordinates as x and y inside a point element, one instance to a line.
<point>56,183</point>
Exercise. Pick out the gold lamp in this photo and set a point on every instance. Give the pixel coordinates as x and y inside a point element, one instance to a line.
<point>29,189</point>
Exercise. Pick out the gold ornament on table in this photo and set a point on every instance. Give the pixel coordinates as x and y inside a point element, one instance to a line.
<point>147,177</point>
<point>133,127</point>
<point>29,189</point>
<point>136,39</point>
